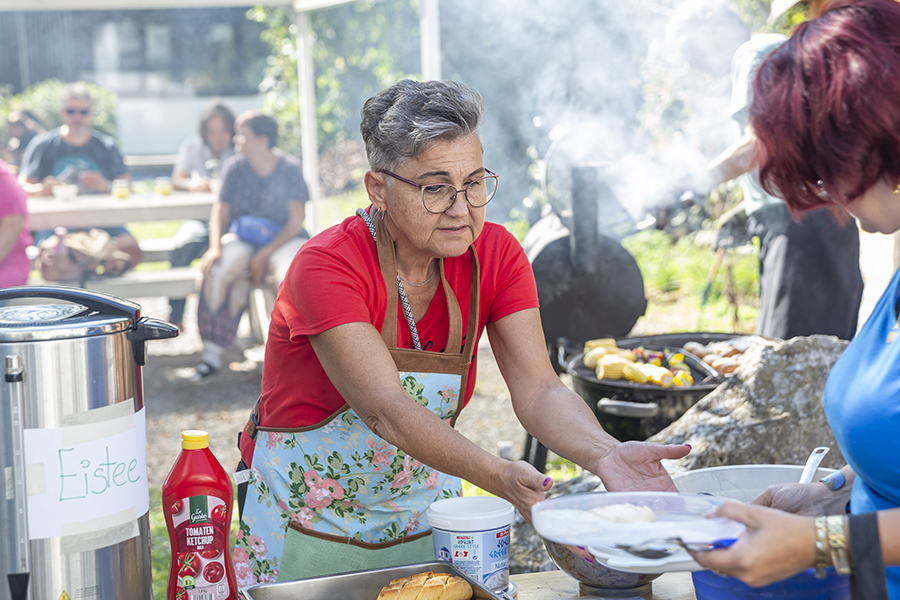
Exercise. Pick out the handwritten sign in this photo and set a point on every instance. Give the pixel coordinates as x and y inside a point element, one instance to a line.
<point>83,478</point>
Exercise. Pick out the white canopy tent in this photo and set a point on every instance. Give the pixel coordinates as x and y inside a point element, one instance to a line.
<point>430,49</point>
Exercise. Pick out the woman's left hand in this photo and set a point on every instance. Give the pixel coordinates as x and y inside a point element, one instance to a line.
<point>775,546</point>
<point>635,466</point>
<point>524,486</point>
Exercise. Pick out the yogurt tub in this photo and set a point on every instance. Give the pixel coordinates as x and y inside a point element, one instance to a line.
<point>473,533</point>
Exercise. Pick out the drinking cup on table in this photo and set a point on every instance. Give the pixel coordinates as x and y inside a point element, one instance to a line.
<point>121,188</point>
<point>163,186</point>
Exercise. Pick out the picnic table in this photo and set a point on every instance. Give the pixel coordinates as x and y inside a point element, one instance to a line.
<point>104,210</point>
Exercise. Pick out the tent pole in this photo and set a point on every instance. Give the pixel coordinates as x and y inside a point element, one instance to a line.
<point>307,98</point>
<point>430,39</point>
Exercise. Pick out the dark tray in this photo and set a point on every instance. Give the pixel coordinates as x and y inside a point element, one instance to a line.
<point>359,585</point>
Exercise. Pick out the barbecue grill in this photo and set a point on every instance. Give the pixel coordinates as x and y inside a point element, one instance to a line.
<point>634,411</point>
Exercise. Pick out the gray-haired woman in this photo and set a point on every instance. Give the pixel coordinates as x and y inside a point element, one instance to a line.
<point>345,455</point>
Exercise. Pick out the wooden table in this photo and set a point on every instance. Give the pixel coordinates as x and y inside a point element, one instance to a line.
<point>103,210</point>
<point>556,585</point>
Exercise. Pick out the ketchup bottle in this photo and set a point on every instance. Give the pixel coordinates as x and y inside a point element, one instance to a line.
<point>197,500</point>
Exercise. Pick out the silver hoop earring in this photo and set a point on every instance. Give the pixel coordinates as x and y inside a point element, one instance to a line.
<point>382,215</point>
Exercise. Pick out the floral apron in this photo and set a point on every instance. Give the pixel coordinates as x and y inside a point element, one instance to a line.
<point>334,497</point>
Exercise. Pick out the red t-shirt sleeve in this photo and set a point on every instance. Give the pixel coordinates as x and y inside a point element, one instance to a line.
<point>326,287</point>
<point>507,278</point>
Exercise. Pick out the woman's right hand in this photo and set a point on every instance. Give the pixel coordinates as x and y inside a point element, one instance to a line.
<point>524,486</point>
<point>210,258</point>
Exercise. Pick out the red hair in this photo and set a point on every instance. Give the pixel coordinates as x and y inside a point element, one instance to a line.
<point>826,105</point>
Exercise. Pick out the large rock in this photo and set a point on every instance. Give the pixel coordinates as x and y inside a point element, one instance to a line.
<point>769,412</point>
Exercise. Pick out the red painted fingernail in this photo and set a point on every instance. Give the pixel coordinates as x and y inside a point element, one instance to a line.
<point>548,481</point>
<point>689,446</point>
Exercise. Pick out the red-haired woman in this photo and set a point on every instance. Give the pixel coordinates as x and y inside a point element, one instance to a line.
<point>826,112</point>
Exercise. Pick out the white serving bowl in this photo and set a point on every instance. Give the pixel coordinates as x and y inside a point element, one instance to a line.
<point>65,191</point>
<point>739,482</point>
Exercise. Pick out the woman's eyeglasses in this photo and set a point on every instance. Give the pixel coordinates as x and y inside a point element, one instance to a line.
<point>439,197</point>
<point>78,111</point>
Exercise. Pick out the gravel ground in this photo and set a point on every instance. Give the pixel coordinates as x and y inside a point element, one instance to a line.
<point>221,404</point>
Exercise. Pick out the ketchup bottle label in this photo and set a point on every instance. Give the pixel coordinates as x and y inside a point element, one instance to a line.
<point>200,528</point>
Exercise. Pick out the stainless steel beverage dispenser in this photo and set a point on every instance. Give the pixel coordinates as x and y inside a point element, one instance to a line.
<point>75,523</point>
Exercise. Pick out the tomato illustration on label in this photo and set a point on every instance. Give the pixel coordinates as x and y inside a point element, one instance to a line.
<point>218,513</point>
<point>213,572</point>
<point>211,553</point>
<point>177,507</point>
<point>188,564</point>
<point>181,593</point>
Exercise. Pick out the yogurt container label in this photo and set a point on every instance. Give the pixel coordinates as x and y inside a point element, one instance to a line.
<point>482,555</point>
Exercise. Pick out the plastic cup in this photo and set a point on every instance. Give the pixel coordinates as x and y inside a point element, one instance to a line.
<point>163,186</point>
<point>121,188</point>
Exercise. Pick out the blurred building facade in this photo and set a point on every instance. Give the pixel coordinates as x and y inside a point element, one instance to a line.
<point>164,65</point>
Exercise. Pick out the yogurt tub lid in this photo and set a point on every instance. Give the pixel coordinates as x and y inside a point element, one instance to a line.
<point>471,513</point>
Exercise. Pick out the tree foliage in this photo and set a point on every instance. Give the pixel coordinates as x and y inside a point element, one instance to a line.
<point>44,100</point>
<point>359,49</point>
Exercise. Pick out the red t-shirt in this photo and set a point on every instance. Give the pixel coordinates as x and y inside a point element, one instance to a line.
<point>335,279</point>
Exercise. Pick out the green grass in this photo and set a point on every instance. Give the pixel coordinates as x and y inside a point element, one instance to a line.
<point>676,274</point>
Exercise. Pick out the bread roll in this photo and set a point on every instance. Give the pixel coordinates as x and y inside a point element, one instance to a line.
<point>725,365</point>
<point>457,589</point>
<point>696,348</point>
<point>729,351</point>
<point>711,358</point>
<point>427,586</point>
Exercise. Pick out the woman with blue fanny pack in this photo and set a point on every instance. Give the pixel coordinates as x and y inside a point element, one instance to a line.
<point>255,229</point>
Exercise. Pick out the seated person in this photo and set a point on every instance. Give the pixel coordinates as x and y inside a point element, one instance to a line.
<point>200,157</point>
<point>259,181</point>
<point>199,161</point>
<point>21,127</point>
<point>14,234</point>
<point>76,153</point>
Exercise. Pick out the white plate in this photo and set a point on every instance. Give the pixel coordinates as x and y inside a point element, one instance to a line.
<point>568,520</point>
<point>620,560</point>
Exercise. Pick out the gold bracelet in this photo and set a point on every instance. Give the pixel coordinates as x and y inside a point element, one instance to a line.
<point>821,546</point>
<point>837,543</point>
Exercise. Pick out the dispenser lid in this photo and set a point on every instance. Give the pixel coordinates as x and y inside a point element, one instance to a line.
<point>41,322</point>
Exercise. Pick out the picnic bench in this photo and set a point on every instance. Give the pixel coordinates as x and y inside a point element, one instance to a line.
<point>175,282</point>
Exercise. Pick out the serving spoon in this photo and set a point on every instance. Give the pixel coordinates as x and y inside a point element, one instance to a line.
<point>812,463</point>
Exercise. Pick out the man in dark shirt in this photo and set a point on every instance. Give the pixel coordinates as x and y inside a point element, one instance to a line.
<point>73,151</point>
<point>76,153</point>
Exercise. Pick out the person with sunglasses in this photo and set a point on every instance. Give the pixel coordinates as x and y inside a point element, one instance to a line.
<point>371,359</point>
<point>75,153</point>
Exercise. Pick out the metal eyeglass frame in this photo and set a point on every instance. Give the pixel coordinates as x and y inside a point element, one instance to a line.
<point>465,190</point>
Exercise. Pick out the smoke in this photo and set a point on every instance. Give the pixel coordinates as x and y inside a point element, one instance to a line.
<point>642,87</point>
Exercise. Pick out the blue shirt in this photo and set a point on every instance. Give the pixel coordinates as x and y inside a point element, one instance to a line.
<point>862,403</point>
